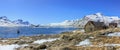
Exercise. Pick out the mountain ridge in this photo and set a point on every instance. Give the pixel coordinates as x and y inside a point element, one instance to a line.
<point>81,22</point>
<point>4,21</point>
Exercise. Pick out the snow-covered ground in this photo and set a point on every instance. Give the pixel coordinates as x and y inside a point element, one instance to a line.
<point>114,34</point>
<point>11,47</point>
<point>4,40</point>
<point>111,44</point>
<point>45,40</point>
<point>84,43</point>
<point>87,42</point>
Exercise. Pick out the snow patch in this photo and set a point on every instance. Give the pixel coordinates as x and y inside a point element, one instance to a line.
<point>9,47</point>
<point>84,43</point>
<point>82,30</point>
<point>91,37</point>
<point>24,45</point>
<point>45,40</point>
<point>112,45</point>
<point>4,40</point>
<point>114,34</point>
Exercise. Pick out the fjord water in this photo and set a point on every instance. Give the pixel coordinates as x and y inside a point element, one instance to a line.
<point>11,32</point>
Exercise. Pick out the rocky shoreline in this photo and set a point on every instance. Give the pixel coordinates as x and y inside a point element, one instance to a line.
<point>65,41</point>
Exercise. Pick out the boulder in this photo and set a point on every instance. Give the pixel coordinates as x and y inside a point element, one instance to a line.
<point>41,46</point>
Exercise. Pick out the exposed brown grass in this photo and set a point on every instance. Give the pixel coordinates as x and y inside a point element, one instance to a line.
<point>106,39</point>
<point>70,39</point>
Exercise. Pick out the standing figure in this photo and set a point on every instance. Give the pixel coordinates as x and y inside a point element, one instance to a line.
<point>18,31</point>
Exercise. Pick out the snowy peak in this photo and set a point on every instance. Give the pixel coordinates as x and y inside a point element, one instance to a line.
<point>93,16</point>
<point>20,21</point>
<point>100,17</point>
<point>3,17</point>
<point>99,14</point>
<point>4,21</point>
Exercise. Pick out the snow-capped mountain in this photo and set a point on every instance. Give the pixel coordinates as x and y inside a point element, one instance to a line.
<point>102,18</point>
<point>98,17</point>
<point>92,17</point>
<point>4,21</point>
<point>20,21</point>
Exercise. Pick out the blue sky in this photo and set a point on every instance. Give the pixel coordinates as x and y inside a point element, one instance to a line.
<point>49,11</point>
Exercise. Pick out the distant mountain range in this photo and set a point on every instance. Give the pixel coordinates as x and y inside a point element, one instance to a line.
<point>4,21</point>
<point>81,22</point>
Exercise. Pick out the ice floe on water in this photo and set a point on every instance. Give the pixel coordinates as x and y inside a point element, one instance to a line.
<point>84,43</point>
<point>45,40</point>
<point>114,34</point>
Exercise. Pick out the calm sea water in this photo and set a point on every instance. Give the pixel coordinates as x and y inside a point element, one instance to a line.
<point>11,32</point>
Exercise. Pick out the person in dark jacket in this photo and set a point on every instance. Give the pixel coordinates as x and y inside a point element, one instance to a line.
<point>18,31</point>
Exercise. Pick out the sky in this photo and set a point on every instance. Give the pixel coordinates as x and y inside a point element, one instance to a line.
<point>52,11</point>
